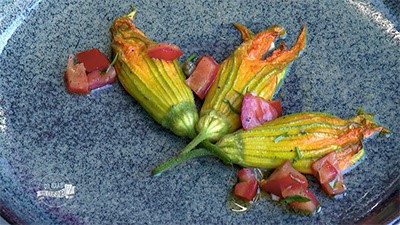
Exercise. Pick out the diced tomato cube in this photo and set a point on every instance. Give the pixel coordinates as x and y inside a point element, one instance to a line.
<point>164,51</point>
<point>256,111</point>
<point>93,60</point>
<point>246,189</point>
<point>294,191</point>
<point>75,77</point>
<point>246,174</point>
<point>334,187</point>
<point>327,171</point>
<point>283,177</point>
<point>97,79</point>
<point>277,104</point>
<point>201,79</point>
<point>331,157</point>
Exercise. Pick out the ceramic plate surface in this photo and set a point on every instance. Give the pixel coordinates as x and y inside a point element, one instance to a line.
<point>100,148</point>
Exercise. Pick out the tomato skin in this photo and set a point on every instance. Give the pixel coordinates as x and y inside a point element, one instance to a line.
<point>256,111</point>
<point>336,188</point>
<point>201,79</point>
<point>246,189</point>
<point>327,173</point>
<point>277,104</point>
<point>298,190</point>
<point>283,177</point>
<point>164,51</point>
<point>93,60</point>
<point>326,170</point>
<point>75,77</point>
<point>97,79</point>
<point>318,164</point>
<point>246,174</point>
<point>285,182</point>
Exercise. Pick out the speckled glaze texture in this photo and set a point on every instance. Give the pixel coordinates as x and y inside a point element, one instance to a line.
<point>12,15</point>
<point>105,144</point>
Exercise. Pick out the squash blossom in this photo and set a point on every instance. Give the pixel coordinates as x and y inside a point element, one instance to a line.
<point>301,138</point>
<point>157,85</point>
<point>248,69</point>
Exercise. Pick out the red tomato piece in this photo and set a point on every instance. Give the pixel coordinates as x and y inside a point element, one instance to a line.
<point>164,51</point>
<point>277,104</point>
<point>93,60</point>
<point>256,111</point>
<point>246,174</point>
<point>246,189</point>
<point>327,173</point>
<point>317,165</point>
<point>299,191</point>
<point>75,77</point>
<point>97,79</point>
<point>283,177</point>
<point>201,79</point>
<point>326,170</point>
<point>334,187</point>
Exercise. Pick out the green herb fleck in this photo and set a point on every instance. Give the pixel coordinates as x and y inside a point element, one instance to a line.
<point>114,60</point>
<point>191,57</point>
<point>280,137</point>
<point>239,93</point>
<point>258,174</point>
<point>231,106</point>
<point>298,154</point>
<point>111,64</point>
<point>334,182</point>
<point>295,198</point>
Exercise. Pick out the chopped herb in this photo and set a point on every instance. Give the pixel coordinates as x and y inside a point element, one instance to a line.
<point>280,137</point>
<point>191,57</point>
<point>111,64</point>
<point>298,156</point>
<point>239,93</point>
<point>231,106</point>
<point>258,174</point>
<point>295,198</point>
<point>334,182</point>
<point>114,60</point>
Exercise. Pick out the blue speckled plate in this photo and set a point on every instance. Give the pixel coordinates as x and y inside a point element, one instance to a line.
<point>100,148</point>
